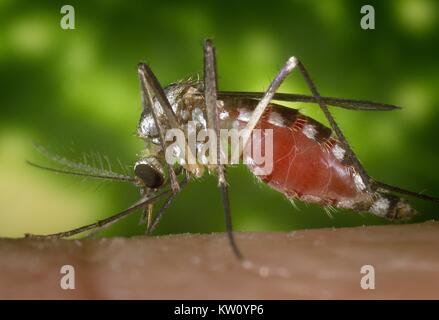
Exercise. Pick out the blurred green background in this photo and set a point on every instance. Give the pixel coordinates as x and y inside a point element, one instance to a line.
<point>76,91</point>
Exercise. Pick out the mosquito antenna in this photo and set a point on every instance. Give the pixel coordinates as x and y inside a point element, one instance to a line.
<point>118,178</point>
<point>79,168</point>
<point>404,191</point>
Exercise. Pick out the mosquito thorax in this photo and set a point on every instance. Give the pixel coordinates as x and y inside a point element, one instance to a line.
<point>149,172</point>
<point>187,102</point>
<point>183,97</point>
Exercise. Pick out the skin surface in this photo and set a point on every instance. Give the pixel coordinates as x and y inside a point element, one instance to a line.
<point>322,264</point>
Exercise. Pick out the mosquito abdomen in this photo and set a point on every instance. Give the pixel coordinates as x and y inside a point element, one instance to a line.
<point>391,206</point>
<point>311,165</point>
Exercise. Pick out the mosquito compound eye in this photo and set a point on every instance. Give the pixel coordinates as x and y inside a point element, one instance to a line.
<point>150,172</point>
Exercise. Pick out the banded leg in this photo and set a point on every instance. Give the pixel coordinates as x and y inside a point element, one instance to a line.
<point>213,122</point>
<point>292,63</point>
<point>151,87</point>
<point>370,183</point>
<point>351,155</point>
<point>104,222</point>
<point>265,101</point>
<point>399,190</point>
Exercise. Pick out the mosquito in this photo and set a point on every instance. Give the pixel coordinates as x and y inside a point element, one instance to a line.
<point>311,162</point>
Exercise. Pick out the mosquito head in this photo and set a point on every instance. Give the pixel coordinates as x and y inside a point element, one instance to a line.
<point>149,172</point>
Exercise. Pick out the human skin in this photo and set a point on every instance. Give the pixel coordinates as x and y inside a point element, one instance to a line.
<point>322,264</point>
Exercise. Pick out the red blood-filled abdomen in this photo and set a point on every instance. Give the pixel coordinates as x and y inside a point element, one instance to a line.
<point>304,167</point>
<point>307,162</point>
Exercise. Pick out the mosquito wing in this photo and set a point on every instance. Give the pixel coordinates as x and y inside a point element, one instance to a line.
<point>336,102</point>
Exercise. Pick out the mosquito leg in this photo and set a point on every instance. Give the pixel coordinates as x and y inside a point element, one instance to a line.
<point>210,96</point>
<point>150,83</point>
<point>391,188</point>
<point>351,155</point>
<point>265,100</point>
<point>146,217</point>
<point>269,95</point>
<point>101,223</point>
<point>370,183</point>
